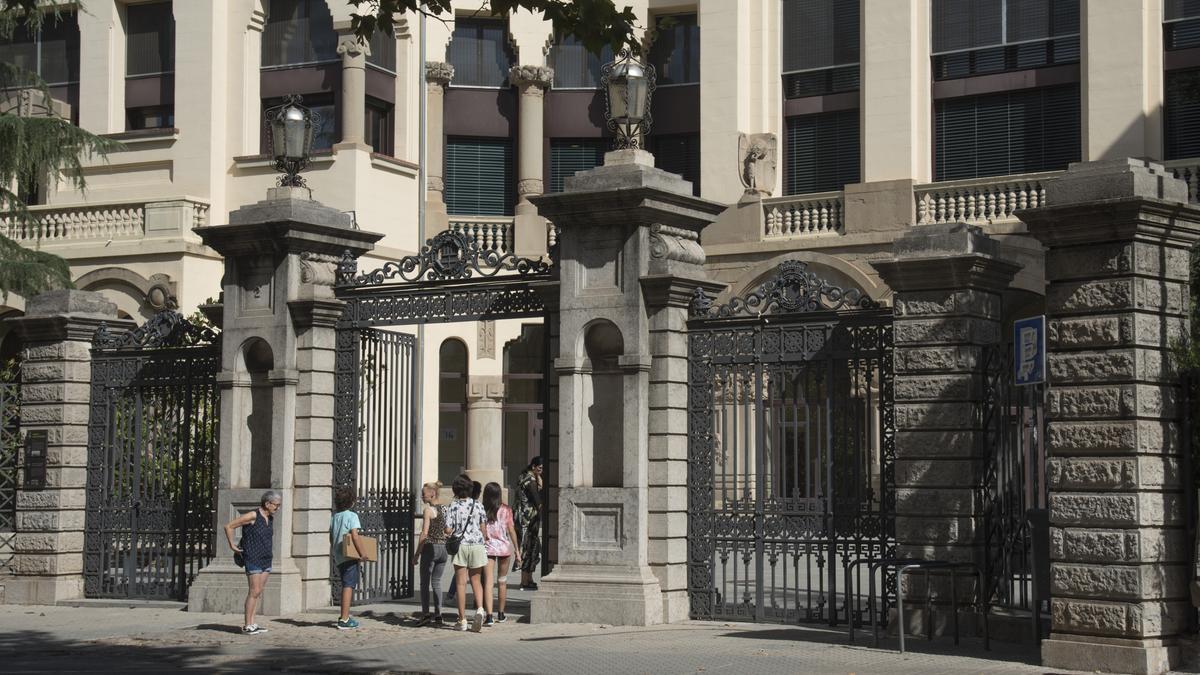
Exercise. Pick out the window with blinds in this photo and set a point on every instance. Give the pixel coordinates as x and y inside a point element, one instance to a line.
<point>1182,114</point>
<point>298,32</point>
<point>479,176</point>
<point>149,39</point>
<point>574,66</point>
<point>820,47</point>
<point>571,155</point>
<point>1007,133</point>
<point>821,152</point>
<point>480,53</point>
<point>675,53</point>
<point>680,154</point>
<point>980,37</point>
<point>1181,24</point>
<point>378,126</point>
<point>383,51</point>
<point>52,53</point>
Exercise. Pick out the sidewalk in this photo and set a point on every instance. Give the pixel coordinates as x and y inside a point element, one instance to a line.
<point>145,640</point>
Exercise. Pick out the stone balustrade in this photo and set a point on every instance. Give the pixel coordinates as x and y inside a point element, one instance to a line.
<point>491,233</point>
<point>804,215</point>
<point>980,201</point>
<point>1187,170</point>
<point>96,221</point>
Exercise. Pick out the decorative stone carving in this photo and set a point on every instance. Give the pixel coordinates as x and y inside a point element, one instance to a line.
<point>757,158</point>
<point>435,184</point>
<point>350,45</point>
<point>530,186</point>
<point>673,243</point>
<point>437,72</point>
<point>487,339</point>
<point>532,79</point>
<point>318,268</point>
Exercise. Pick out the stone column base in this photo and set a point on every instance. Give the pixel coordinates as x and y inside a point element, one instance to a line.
<point>609,594</point>
<point>221,587</point>
<point>42,590</point>
<point>677,606</point>
<point>1110,655</point>
<point>529,232</point>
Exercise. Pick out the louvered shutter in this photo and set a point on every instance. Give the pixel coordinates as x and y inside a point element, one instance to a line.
<point>479,176</point>
<point>679,154</point>
<point>571,155</point>
<point>1182,114</point>
<point>149,39</point>
<point>479,53</point>
<point>821,152</point>
<point>1012,132</point>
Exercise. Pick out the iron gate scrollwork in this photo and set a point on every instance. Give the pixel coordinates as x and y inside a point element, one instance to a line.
<point>152,458</point>
<point>452,278</point>
<point>791,449</point>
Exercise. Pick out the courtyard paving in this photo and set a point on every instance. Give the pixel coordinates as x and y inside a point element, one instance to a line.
<point>147,639</point>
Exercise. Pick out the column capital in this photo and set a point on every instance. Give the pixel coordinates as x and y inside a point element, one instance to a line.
<point>438,72</point>
<point>946,256</point>
<point>67,314</point>
<point>351,47</point>
<point>485,389</point>
<point>532,80</point>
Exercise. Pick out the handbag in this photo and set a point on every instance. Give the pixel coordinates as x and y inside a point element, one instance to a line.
<point>239,559</point>
<point>454,541</point>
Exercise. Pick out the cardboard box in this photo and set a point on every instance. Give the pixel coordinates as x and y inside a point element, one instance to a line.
<point>369,545</point>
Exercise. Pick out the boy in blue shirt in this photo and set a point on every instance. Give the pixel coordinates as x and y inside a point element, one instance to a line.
<point>345,522</point>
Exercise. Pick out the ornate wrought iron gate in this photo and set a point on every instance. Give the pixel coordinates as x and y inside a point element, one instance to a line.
<point>152,459</point>
<point>790,451</point>
<point>451,279</point>
<point>10,447</point>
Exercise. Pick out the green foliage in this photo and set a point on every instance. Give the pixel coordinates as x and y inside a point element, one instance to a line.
<point>595,23</point>
<point>34,148</point>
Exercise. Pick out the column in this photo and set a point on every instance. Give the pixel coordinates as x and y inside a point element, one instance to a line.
<point>354,87</point>
<point>437,77</point>
<point>529,229</point>
<point>895,98</point>
<point>1121,79</point>
<point>101,68</point>
<point>948,282</point>
<point>55,375</point>
<point>1118,237</point>
<point>485,419</point>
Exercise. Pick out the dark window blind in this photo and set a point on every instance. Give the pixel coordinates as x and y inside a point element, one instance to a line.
<point>383,51</point>
<point>977,37</point>
<point>822,152</point>
<point>571,155</point>
<point>678,153</point>
<point>820,47</point>
<point>379,126</point>
<point>480,53</point>
<point>1181,27</point>
<point>1007,133</point>
<point>1181,9</point>
<point>675,53</point>
<point>574,66</point>
<point>149,39</point>
<point>53,53</point>
<point>298,31</point>
<point>479,176</point>
<point>1182,113</point>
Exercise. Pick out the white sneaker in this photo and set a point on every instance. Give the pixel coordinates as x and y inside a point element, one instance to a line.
<point>253,629</point>
<point>461,625</point>
<point>477,621</point>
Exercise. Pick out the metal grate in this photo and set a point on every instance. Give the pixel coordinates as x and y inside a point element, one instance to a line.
<point>10,448</point>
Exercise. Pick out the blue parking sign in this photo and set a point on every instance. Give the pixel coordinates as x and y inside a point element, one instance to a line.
<point>1029,350</point>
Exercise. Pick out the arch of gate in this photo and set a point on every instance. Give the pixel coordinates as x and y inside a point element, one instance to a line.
<point>452,278</point>
<point>791,449</point>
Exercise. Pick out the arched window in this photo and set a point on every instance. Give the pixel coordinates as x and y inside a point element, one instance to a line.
<point>605,404</point>
<point>259,361</point>
<point>524,365</point>
<point>452,409</point>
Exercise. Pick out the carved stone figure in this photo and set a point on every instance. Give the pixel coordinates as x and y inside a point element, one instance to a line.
<point>757,156</point>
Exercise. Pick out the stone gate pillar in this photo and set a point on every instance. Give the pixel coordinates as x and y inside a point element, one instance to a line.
<point>55,380</point>
<point>629,248</point>
<point>1117,235</point>
<point>277,389</point>
<point>948,280</point>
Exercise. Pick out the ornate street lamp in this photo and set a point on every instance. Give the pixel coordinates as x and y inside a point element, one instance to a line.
<point>290,136</point>
<point>628,84</point>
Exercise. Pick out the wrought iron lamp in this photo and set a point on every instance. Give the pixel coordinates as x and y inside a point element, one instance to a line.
<point>290,134</point>
<point>628,84</point>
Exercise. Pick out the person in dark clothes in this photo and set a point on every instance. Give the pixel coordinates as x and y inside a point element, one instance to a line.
<point>255,551</point>
<point>529,520</point>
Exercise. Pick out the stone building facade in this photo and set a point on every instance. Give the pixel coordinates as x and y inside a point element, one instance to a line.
<point>827,129</point>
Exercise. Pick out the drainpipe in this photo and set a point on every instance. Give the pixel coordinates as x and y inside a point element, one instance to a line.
<point>418,424</point>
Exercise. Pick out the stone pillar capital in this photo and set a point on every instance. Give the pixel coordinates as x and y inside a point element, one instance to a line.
<point>532,80</point>
<point>667,290</point>
<point>438,73</point>
<point>350,47</point>
<point>485,390</point>
<point>67,315</point>
<point>946,255</point>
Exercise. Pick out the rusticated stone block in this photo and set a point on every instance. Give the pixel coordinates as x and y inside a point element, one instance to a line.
<point>1089,332</point>
<point>916,443</point>
<point>1119,582</point>
<point>1116,510</point>
<point>1123,473</point>
<point>948,302</point>
<point>936,502</point>
<point>957,387</point>
<point>936,359</point>
<point>1117,619</point>
<point>1112,365</point>
<point>1090,296</point>
<point>1114,401</point>
<point>1116,437</point>
<point>1119,546</point>
<point>959,415</point>
<point>923,530</point>
<point>938,473</point>
<point>52,499</point>
<point>947,330</point>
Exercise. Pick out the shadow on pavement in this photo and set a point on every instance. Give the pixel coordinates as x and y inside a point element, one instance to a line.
<point>941,646</point>
<point>31,651</point>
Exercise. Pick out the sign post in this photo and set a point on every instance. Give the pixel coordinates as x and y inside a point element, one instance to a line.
<point>1029,345</point>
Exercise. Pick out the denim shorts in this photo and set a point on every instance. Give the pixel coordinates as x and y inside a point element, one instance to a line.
<point>350,573</point>
<point>251,570</point>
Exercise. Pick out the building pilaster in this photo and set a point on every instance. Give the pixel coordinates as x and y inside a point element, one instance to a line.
<point>530,228</point>
<point>437,78</point>
<point>354,55</point>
